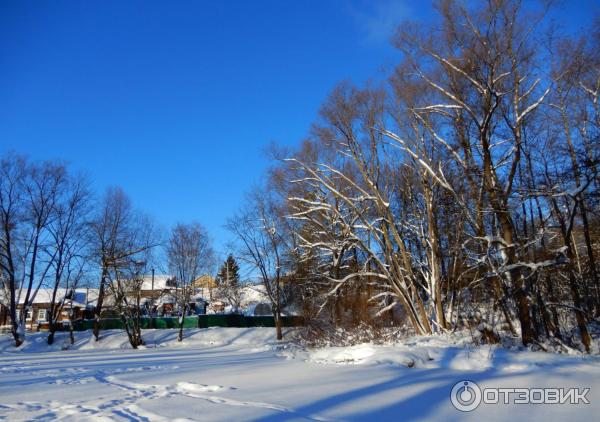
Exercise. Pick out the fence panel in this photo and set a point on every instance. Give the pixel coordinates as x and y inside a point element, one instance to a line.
<point>200,321</point>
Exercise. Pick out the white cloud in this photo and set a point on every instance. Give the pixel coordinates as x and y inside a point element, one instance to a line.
<point>378,19</point>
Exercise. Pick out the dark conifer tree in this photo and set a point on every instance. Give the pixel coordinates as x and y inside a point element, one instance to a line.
<point>229,273</point>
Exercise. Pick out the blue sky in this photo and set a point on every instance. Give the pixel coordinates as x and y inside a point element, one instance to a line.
<point>176,101</point>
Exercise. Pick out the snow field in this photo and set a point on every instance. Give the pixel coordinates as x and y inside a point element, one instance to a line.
<point>243,374</point>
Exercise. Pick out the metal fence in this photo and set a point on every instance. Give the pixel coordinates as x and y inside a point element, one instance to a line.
<point>199,321</point>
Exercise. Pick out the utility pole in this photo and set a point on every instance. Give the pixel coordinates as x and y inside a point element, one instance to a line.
<point>152,293</point>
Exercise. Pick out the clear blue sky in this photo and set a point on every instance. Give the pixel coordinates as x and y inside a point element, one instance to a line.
<point>176,101</point>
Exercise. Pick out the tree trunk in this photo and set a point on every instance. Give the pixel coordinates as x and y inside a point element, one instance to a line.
<point>579,314</point>
<point>51,332</point>
<point>278,329</point>
<point>181,323</point>
<point>99,303</point>
<point>71,333</point>
<point>16,335</point>
<point>134,341</point>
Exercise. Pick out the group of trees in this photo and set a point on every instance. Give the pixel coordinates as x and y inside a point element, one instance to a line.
<point>54,234</point>
<point>42,207</point>
<point>462,192</point>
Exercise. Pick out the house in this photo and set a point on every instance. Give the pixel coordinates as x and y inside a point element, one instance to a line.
<point>77,301</point>
<point>154,291</point>
<point>154,286</point>
<point>205,281</point>
<point>217,306</point>
<point>205,286</point>
<point>158,295</point>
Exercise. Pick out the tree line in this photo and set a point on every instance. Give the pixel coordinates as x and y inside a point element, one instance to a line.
<point>56,234</point>
<point>460,192</point>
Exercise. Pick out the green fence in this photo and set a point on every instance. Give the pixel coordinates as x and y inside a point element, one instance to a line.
<point>200,321</point>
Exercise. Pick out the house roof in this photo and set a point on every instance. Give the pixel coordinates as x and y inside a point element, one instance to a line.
<point>204,281</point>
<point>160,282</point>
<point>253,293</point>
<point>82,296</point>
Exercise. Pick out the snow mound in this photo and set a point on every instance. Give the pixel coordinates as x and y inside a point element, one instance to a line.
<point>191,387</point>
<point>370,355</point>
<point>354,354</point>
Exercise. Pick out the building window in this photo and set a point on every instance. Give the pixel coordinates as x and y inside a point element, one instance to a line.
<point>41,315</point>
<point>29,314</point>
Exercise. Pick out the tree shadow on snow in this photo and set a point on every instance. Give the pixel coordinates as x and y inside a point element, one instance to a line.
<point>418,406</point>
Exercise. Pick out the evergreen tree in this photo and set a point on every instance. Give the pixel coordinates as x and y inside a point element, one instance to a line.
<point>228,275</point>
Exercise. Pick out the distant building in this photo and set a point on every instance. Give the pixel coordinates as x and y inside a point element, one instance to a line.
<point>205,281</point>
<point>77,301</point>
<point>156,293</point>
<point>157,285</point>
<point>217,306</point>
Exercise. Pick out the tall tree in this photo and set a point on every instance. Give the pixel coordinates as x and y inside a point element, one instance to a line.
<point>262,246</point>
<point>189,254</point>
<point>28,197</point>
<point>68,246</point>
<point>118,238</point>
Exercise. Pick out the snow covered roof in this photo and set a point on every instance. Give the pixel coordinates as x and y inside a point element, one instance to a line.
<point>161,282</point>
<point>82,296</point>
<point>253,293</point>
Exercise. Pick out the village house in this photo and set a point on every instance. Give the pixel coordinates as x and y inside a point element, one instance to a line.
<point>80,302</point>
<point>205,281</point>
<point>158,294</point>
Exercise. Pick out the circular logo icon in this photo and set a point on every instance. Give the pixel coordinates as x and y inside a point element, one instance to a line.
<point>465,396</point>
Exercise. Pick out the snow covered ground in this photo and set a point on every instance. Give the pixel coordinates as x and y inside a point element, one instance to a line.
<point>227,374</point>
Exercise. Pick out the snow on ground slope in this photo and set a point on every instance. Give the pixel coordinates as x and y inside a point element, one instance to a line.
<point>242,374</point>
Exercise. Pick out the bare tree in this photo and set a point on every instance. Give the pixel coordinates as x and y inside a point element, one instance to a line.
<point>189,253</point>
<point>124,288</point>
<point>263,247</point>
<point>119,237</point>
<point>68,246</point>
<point>11,196</point>
<point>28,195</point>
